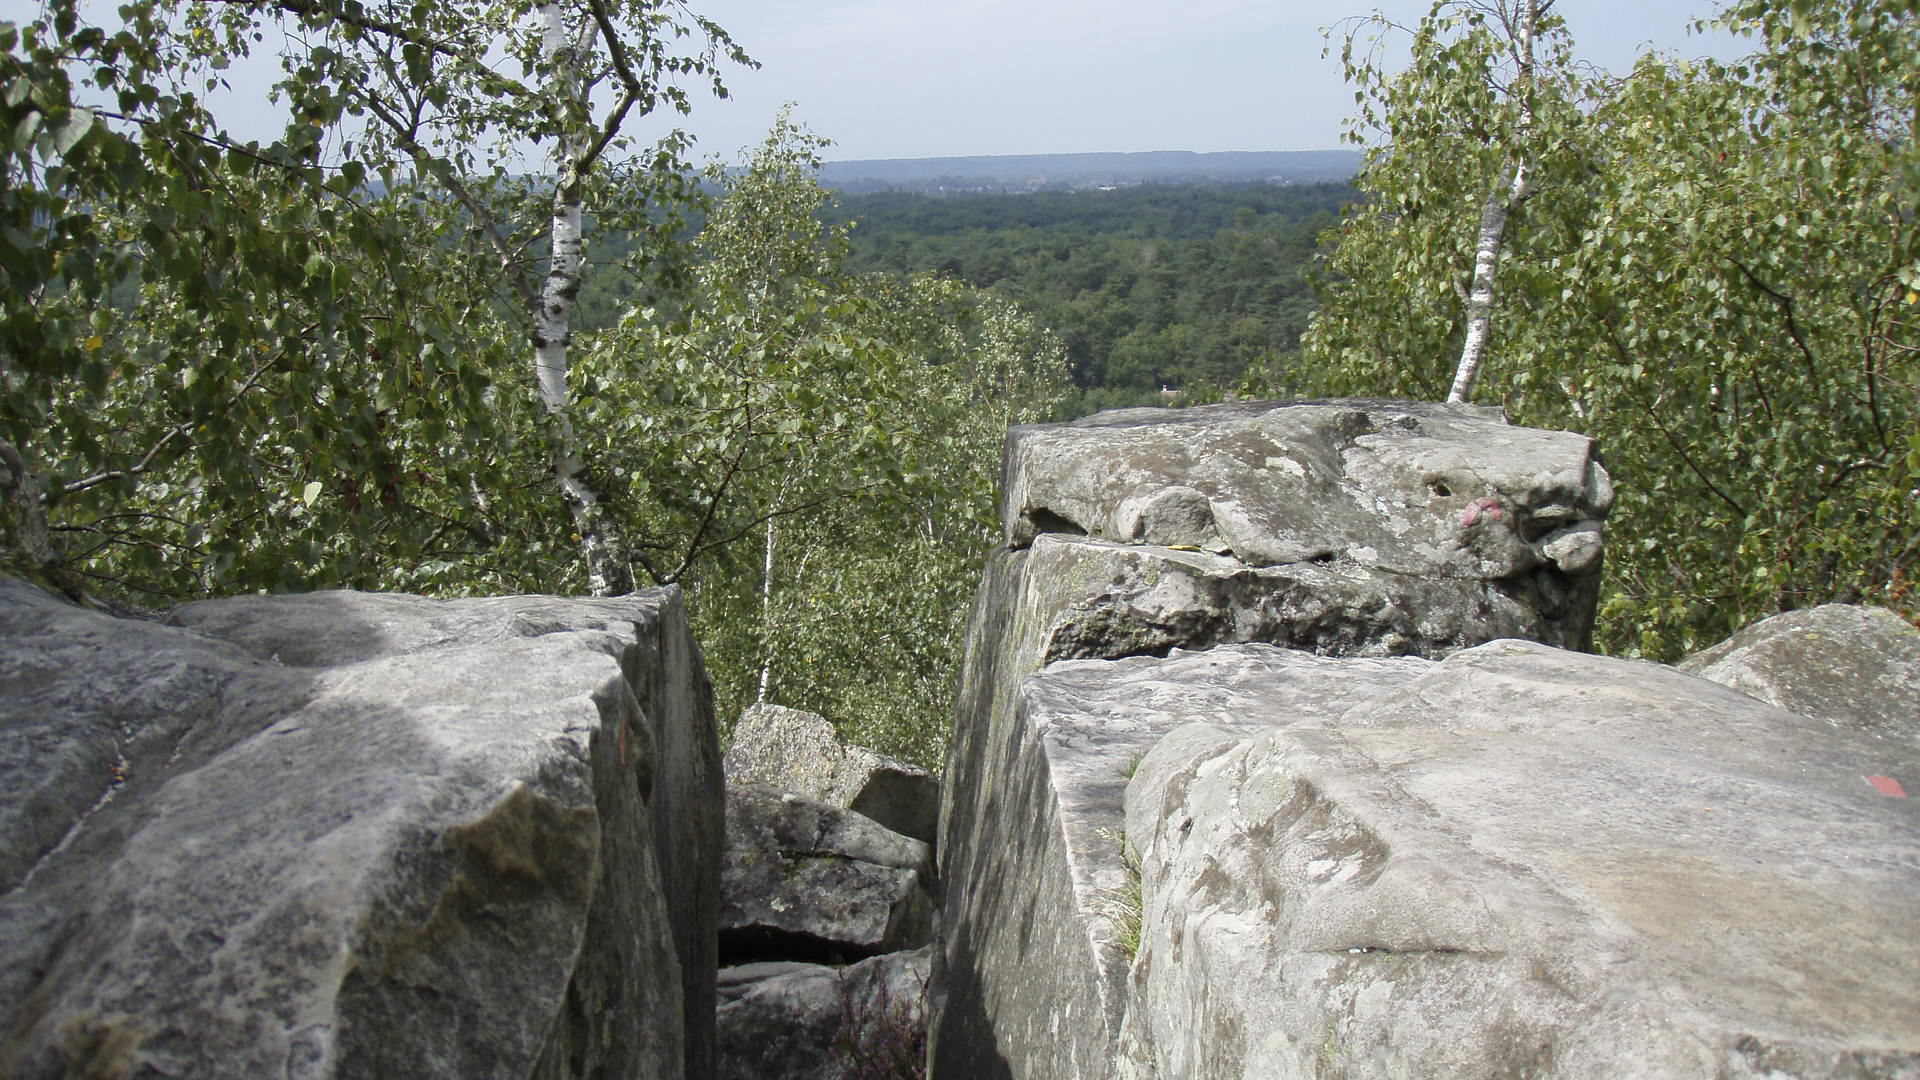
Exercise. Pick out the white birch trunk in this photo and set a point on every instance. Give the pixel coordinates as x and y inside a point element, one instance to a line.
<point>766,617</point>
<point>1486,260</point>
<point>1493,221</point>
<point>600,542</point>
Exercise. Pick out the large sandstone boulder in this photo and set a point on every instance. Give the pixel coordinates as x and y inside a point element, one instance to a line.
<point>1095,599</point>
<point>798,1021</point>
<point>1048,932</point>
<point>1441,492</point>
<point>1856,666</point>
<point>1520,862</point>
<point>347,835</point>
<point>800,752</point>
<point>1358,528</point>
<point>803,880</point>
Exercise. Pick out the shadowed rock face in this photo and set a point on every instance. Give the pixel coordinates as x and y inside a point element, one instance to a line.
<point>821,869</point>
<point>806,881</point>
<point>796,1021</point>
<point>355,835</point>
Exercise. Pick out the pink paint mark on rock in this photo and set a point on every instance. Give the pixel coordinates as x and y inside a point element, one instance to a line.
<point>1485,505</point>
<point>1887,785</point>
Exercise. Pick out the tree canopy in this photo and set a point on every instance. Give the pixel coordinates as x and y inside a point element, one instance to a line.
<point>1149,287</point>
<point>349,357</point>
<point>1714,274</point>
<point>233,365</point>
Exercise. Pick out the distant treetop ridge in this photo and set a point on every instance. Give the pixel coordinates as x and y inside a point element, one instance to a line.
<point>1035,172</point>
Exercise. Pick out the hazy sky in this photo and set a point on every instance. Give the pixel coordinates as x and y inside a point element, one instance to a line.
<point>912,78</point>
<point>920,78</point>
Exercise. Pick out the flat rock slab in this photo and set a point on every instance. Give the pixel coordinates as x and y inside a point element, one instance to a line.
<point>1856,666</point>
<point>803,880</point>
<point>1436,491</point>
<point>801,752</point>
<point>1521,862</point>
<point>1037,966</point>
<point>355,835</point>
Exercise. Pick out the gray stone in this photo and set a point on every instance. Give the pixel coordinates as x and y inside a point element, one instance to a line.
<point>1434,491</point>
<point>1858,667</point>
<point>884,1029</point>
<point>797,1021</point>
<point>790,750</point>
<point>1035,942</point>
<point>1097,599</point>
<point>1363,528</point>
<point>1520,862</point>
<point>355,835</point>
<point>807,881</point>
<point>778,1020</point>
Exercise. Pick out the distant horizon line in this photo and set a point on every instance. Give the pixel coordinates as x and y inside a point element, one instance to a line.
<point>1086,153</point>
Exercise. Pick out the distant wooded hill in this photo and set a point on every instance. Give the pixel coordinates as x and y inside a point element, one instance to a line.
<point>1149,287</point>
<point>1042,172</point>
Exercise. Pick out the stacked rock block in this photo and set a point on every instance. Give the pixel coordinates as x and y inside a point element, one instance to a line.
<point>826,904</point>
<point>1358,834</point>
<point>350,835</point>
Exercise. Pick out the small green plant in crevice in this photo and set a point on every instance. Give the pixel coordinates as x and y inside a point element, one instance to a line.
<point>1133,767</point>
<point>1125,906</point>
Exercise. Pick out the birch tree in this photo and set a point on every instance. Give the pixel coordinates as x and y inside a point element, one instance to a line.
<point>1483,123</point>
<point>1719,283</point>
<point>396,270</point>
<point>1519,25</point>
<point>586,70</point>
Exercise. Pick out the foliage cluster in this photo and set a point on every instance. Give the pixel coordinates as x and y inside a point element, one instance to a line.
<point>228,366</point>
<point>847,426</point>
<point>1717,274</point>
<point>234,366</point>
<point>1149,287</point>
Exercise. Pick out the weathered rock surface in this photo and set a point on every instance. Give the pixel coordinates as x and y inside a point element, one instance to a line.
<point>797,1021</point>
<point>800,752</point>
<point>1856,666</point>
<point>1095,599</point>
<point>1365,528</point>
<point>1439,492</point>
<point>1520,862</point>
<point>1046,932</point>
<point>806,881</point>
<point>355,835</point>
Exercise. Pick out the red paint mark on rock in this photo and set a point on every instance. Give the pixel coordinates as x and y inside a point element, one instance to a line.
<point>1887,785</point>
<point>1485,504</point>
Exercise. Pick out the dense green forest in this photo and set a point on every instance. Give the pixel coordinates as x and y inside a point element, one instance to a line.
<point>1149,287</point>
<point>1175,287</point>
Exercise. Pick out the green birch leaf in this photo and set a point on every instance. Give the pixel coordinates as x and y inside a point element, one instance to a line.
<point>76,126</point>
